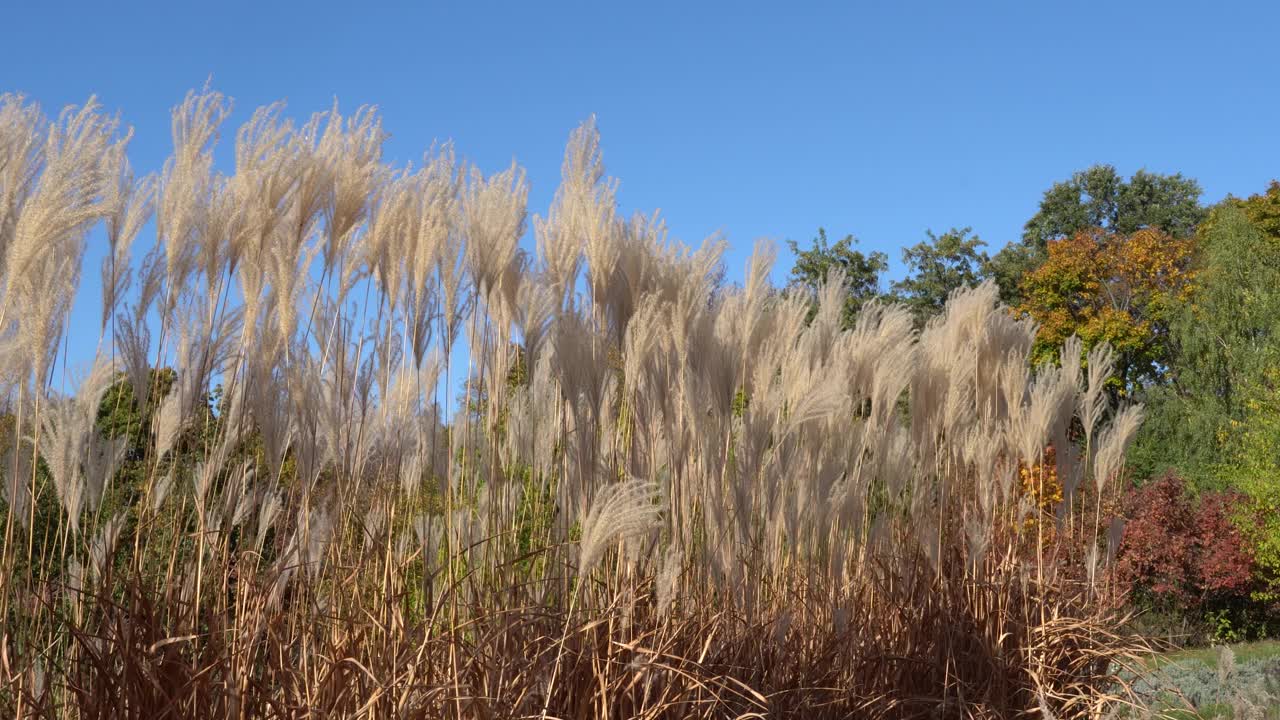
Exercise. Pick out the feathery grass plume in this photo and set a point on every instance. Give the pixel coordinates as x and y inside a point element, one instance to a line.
<point>582,216</point>
<point>1114,443</point>
<point>619,512</point>
<point>667,581</point>
<point>205,347</point>
<point>430,213</point>
<point>15,464</point>
<point>66,197</point>
<point>67,435</point>
<point>128,204</point>
<point>43,255</point>
<point>240,496</point>
<point>160,491</point>
<point>427,529</point>
<point>65,432</point>
<point>1226,666</point>
<point>1093,403</point>
<point>455,303</point>
<point>399,410</point>
<point>1069,358</point>
<point>351,155</point>
<point>537,307</point>
<point>103,547</point>
<point>493,217</point>
<point>269,509</point>
<point>1115,531</point>
<point>393,248</point>
<point>184,189</point>
<point>22,129</point>
<point>103,458</point>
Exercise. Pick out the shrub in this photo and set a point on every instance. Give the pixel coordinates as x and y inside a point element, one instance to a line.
<point>1188,555</point>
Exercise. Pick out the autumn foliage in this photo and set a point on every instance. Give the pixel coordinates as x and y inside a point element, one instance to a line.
<point>1185,553</point>
<point>1105,286</point>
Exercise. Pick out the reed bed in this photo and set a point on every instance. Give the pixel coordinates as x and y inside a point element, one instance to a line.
<point>349,451</point>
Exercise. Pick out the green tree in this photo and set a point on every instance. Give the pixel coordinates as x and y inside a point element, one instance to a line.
<point>1098,198</point>
<point>937,267</point>
<point>1009,266</point>
<point>861,271</point>
<point>1251,465</point>
<point>1225,350</point>
<point>1262,209</point>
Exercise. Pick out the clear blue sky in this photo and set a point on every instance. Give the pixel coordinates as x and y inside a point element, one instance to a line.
<point>877,119</point>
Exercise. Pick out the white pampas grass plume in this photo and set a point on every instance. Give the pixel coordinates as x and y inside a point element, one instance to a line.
<point>1070,357</point>
<point>1115,533</point>
<point>133,340</point>
<point>493,216</point>
<point>15,487</point>
<point>161,491</point>
<point>168,422</point>
<point>104,456</point>
<point>619,512</point>
<point>1093,403</point>
<point>1113,444</point>
<point>103,546</point>
<point>668,579</point>
<point>129,204</point>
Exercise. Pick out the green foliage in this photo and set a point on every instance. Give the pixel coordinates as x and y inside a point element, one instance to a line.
<point>939,266</point>
<point>1098,197</point>
<point>1224,342</point>
<point>1009,266</point>
<point>1218,421</point>
<point>1251,464</point>
<point>861,271</point>
<point>1263,209</point>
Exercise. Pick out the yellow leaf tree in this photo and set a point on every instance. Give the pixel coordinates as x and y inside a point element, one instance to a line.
<point>1106,286</point>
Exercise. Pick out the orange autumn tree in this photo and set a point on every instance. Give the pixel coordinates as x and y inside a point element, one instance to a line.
<point>1113,287</point>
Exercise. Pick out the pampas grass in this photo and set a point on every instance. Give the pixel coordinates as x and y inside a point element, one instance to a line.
<point>655,495</point>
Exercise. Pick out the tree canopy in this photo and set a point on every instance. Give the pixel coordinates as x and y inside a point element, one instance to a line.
<point>1111,287</point>
<point>937,267</point>
<point>1098,197</point>
<point>861,271</point>
<point>1222,342</point>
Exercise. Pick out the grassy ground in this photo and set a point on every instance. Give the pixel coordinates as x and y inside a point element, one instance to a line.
<point>1240,681</point>
<point>1244,653</point>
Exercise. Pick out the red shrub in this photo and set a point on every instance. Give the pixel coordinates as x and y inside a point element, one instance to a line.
<point>1184,551</point>
<point>1226,566</point>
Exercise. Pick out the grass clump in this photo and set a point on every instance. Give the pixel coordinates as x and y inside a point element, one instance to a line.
<point>657,497</point>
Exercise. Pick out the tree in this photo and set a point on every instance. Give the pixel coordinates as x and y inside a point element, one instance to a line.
<point>937,267</point>
<point>1223,342</point>
<point>1099,198</point>
<point>1262,209</point>
<point>1106,286</point>
<point>861,271</point>
<point>1218,421</point>
<point>1009,266</point>
<point>1251,465</point>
